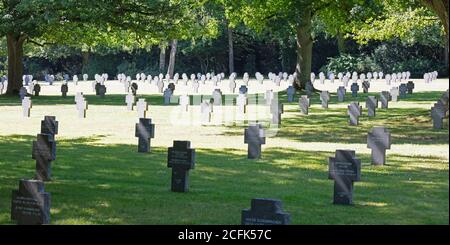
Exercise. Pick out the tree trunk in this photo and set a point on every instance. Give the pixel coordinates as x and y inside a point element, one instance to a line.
<point>230,51</point>
<point>446,54</point>
<point>441,8</point>
<point>15,62</point>
<point>341,43</point>
<point>173,53</point>
<point>85,55</point>
<point>162,57</point>
<point>304,51</point>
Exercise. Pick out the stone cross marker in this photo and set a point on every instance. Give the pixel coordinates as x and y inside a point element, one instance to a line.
<point>26,106</point>
<point>37,89</point>
<point>254,136</point>
<point>232,86</point>
<point>394,93</point>
<point>344,169</point>
<point>22,93</point>
<point>410,87</point>
<point>145,131</point>
<point>385,96</point>
<point>96,87</point>
<point>290,93</point>
<point>276,109</point>
<point>265,211</point>
<point>206,109</point>
<point>160,85</point>
<point>130,99</point>
<point>438,112</point>
<point>366,86</point>
<point>50,126</point>
<point>354,111</point>
<point>304,104</point>
<point>371,105</point>
<point>142,108</point>
<point>195,86</point>
<point>354,88</point>
<point>181,158</point>
<point>134,88</point>
<point>30,204</point>
<point>341,94</point>
<point>101,90</point>
<point>241,102</point>
<point>184,102</point>
<point>243,89</point>
<point>217,96</point>
<point>379,139</point>
<point>309,88</point>
<point>268,96</point>
<point>167,96</point>
<point>44,149</point>
<point>82,106</point>
<point>325,98</point>
<point>403,89</point>
<point>64,89</point>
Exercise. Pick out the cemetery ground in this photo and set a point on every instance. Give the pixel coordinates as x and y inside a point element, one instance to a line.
<point>100,178</point>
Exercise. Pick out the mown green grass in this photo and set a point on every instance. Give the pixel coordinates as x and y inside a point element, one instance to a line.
<point>119,99</point>
<point>113,184</point>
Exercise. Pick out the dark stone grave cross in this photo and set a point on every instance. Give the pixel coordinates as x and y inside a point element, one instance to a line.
<point>290,93</point>
<point>325,98</point>
<point>145,131</point>
<point>354,111</point>
<point>181,158</point>
<point>385,97</point>
<point>344,169</point>
<point>304,104</point>
<point>254,136</point>
<point>265,211</point>
<point>243,89</point>
<point>64,89</point>
<point>44,153</point>
<point>134,88</point>
<point>36,89</point>
<point>379,139</point>
<point>410,87</point>
<point>371,105</point>
<point>438,112</point>
<point>341,94</point>
<point>366,86</point>
<point>402,89</point>
<point>102,91</point>
<point>276,109</point>
<point>354,88</point>
<point>30,204</point>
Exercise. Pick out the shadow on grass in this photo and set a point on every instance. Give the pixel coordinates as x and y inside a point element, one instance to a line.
<point>431,96</point>
<point>113,184</point>
<point>407,126</point>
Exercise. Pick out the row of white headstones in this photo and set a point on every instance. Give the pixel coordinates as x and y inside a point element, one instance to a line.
<point>389,78</point>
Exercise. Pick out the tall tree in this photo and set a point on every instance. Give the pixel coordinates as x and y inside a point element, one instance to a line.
<point>407,20</point>
<point>440,8</point>
<point>83,21</point>
<point>172,56</point>
<point>162,56</point>
<point>296,15</point>
<point>230,50</point>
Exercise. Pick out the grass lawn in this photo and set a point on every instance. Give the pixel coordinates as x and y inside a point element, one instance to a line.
<point>113,184</point>
<point>96,183</point>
